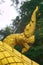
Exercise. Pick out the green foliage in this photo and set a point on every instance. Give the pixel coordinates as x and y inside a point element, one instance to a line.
<point>26,9</point>
<point>5,32</point>
<point>15,24</point>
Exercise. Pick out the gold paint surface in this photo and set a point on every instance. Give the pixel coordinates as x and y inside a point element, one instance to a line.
<point>10,56</point>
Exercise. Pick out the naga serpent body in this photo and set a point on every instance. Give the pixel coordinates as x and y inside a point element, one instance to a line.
<point>25,38</point>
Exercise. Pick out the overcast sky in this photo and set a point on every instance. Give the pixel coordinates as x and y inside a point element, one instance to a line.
<point>7,13</point>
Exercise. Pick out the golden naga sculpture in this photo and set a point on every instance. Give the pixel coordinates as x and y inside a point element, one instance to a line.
<point>26,38</point>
